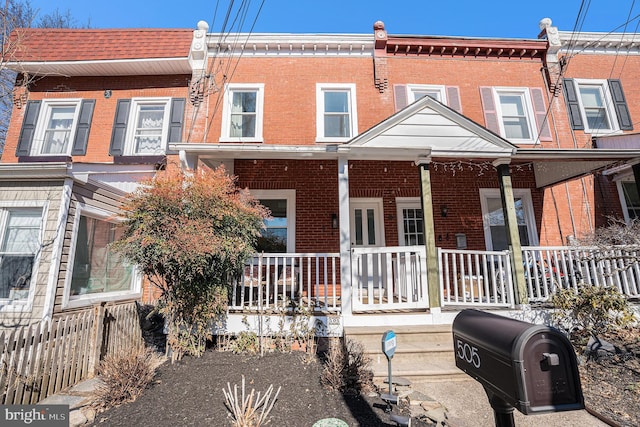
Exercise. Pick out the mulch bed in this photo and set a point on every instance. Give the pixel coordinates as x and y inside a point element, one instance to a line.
<point>189,393</point>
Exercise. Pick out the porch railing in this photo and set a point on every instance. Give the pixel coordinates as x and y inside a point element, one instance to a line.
<point>549,268</point>
<point>475,278</point>
<point>389,278</point>
<point>277,281</point>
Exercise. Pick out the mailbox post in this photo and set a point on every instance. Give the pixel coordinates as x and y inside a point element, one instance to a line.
<point>529,367</point>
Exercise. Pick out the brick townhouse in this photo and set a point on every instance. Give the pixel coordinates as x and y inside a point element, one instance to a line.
<point>405,174</point>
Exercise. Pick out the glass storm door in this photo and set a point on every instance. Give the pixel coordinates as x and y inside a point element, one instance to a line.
<point>366,224</point>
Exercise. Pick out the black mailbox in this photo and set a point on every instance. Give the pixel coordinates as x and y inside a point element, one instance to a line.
<point>530,367</point>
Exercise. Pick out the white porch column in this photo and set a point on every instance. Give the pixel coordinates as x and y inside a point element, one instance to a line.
<point>345,238</point>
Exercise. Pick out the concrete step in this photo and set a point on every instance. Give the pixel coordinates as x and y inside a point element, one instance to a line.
<point>423,353</point>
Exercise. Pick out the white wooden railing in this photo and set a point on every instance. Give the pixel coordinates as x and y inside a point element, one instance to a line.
<point>475,278</point>
<point>549,268</point>
<point>280,281</point>
<point>389,278</point>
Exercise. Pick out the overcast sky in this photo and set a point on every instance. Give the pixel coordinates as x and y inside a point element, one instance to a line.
<point>489,18</point>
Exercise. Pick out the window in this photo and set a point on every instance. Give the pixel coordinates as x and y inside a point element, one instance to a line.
<point>21,228</point>
<point>517,114</point>
<point>493,218</point>
<point>56,128</point>
<point>416,92</point>
<point>410,222</point>
<point>278,235</point>
<point>149,127</point>
<point>96,268</point>
<point>597,106</point>
<point>242,115</point>
<point>630,199</point>
<point>144,126</point>
<point>336,112</point>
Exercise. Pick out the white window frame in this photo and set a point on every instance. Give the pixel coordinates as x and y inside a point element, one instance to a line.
<point>406,203</point>
<point>608,105</point>
<point>620,180</point>
<point>290,197</point>
<point>130,145</point>
<point>230,88</point>
<point>350,88</point>
<point>43,119</point>
<point>74,301</point>
<point>7,305</point>
<point>524,92</point>
<point>440,89</point>
<point>522,193</point>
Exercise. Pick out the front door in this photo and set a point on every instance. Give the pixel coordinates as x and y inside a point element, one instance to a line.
<point>367,228</point>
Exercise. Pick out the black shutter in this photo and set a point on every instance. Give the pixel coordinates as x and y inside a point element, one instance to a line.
<point>83,128</point>
<point>573,106</point>
<point>622,111</point>
<point>28,128</point>
<point>176,118</point>
<point>119,132</point>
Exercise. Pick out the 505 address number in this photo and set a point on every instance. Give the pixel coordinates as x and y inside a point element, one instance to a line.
<point>468,353</point>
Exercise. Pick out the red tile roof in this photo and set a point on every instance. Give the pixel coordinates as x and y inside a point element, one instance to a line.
<point>49,44</point>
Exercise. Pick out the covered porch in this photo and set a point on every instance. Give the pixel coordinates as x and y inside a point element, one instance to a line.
<point>347,258</point>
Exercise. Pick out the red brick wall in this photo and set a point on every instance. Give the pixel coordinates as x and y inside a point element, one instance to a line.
<point>104,111</point>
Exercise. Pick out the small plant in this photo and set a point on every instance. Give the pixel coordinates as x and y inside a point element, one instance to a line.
<point>124,377</point>
<point>592,310</point>
<point>250,410</point>
<point>347,368</point>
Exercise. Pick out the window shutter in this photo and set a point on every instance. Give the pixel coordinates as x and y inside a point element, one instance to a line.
<point>400,95</point>
<point>489,108</point>
<point>453,98</point>
<point>119,132</point>
<point>622,111</point>
<point>571,99</point>
<point>28,128</point>
<point>83,128</point>
<point>537,97</point>
<point>176,117</point>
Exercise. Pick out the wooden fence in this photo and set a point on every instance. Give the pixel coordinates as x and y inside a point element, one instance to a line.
<point>43,359</point>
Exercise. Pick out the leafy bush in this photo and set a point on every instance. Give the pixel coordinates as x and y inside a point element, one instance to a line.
<point>124,377</point>
<point>591,310</point>
<point>189,234</point>
<point>347,368</point>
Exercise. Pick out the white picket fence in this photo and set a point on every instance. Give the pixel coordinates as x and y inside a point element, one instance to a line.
<point>45,358</point>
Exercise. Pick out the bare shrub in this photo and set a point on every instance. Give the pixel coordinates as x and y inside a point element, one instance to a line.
<point>124,377</point>
<point>347,368</point>
<point>249,410</point>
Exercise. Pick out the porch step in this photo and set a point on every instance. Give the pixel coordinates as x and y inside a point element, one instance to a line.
<point>423,353</point>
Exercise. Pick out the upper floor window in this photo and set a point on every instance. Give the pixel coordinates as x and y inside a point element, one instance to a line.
<point>416,92</point>
<point>597,106</point>
<point>21,241</point>
<point>517,114</point>
<point>336,112</point>
<point>144,126</point>
<point>409,93</point>
<point>55,127</point>
<point>242,112</point>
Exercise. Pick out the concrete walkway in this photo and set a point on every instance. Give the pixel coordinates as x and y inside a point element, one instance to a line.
<point>78,398</point>
<point>467,405</point>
